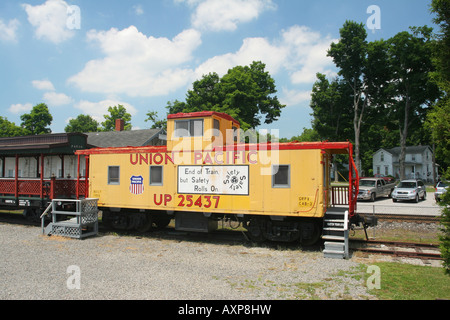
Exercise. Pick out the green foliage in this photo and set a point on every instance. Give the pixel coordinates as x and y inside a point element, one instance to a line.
<point>245,93</point>
<point>116,112</point>
<point>152,116</point>
<point>9,129</point>
<point>37,121</point>
<point>445,237</point>
<point>83,123</point>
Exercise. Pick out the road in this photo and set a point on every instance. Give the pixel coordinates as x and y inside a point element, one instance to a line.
<point>387,206</point>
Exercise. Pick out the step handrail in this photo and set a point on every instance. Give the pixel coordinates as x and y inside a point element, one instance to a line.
<point>42,216</point>
<point>346,220</point>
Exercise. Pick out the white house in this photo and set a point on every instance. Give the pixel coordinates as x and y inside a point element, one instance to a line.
<point>418,163</point>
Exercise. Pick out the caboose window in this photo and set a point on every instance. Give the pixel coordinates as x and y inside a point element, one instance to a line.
<point>189,128</point>
<point>281,176</point>
<point>113,175</point>
<point>156,176</point>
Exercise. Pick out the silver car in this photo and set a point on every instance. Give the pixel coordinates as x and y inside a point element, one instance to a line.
<point>441,188</point>
<point>409,190</point>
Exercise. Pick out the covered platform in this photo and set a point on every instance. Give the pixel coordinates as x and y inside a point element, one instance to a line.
<point>36,169</point>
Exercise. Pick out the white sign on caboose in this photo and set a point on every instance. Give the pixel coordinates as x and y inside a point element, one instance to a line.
<point>232,180</point>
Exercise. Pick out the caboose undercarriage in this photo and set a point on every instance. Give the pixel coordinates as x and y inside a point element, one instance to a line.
<point>257,228</point>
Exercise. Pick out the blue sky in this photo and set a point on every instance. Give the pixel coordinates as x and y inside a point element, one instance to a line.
<point>79,56</point>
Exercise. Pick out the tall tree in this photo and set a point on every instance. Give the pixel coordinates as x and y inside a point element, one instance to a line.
<point>331,109</point>
<point>246,93</point>
<point>116,112</point>
<point>350,56</point>
<point>37,121</point>
<point>412,90</point>
<point>82,123</point>
<point>439,118</point>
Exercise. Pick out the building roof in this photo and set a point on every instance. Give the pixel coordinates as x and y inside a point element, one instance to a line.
<point>410,150</point>
<point>132,138</point>
<point>56,143</point>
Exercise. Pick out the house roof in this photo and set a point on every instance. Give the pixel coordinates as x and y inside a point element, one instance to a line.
<point>132,138</point>
<point>410,150</point>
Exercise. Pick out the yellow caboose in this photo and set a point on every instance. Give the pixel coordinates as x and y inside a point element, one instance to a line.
<point>279,191</point>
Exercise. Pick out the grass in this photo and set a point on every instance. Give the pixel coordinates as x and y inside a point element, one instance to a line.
<point>398,234</point>
<point>410,282</point>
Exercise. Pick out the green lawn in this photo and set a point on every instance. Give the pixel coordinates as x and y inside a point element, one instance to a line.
<point>401,281</point>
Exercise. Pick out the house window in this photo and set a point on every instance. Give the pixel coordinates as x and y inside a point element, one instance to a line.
<point>189,128</point>
<point>156,176</point>
<point>281,176</point>
<point>382,157</point>
<point>413,157</point>
<point>113,175</point>
<point>386,170</point>
<point>378,170</point>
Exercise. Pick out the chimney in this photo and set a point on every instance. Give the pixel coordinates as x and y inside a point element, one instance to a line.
<point>120,124</point>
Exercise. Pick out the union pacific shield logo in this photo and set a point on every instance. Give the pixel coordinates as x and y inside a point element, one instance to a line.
<point>136,184</point>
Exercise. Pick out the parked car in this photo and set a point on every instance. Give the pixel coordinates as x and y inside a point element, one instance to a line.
<point>372,188</point>
<point>411,189</point>
<point>441,188</point>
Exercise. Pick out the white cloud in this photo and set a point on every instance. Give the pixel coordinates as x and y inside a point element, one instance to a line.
<point>50,20</point>
<point>137,65</point>
<point>252,49</point>
<point>43,85</point>
<point>294,97</point>
<point>98,109</point>
<point>8,31</point>
<point>218,15</point>
<point>56,99</point>
<point>20,108</point>
<point>300,52</point>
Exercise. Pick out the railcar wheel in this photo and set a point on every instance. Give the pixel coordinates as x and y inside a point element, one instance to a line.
<point>311,233</point>
<point>161,220</point>
<point>145,223</point>
<point>254,232</point>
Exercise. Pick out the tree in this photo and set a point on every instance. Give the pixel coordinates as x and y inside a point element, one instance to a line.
<point>116,112</point>
<point>245,93</point>
<point>37,121</point>
<point>350,56</point>
<point>152,116</point>
<point>438,120</point>
<point>412,91</point>
<point>331,109</point>
<point>82,123</point>
<point>9,129</point>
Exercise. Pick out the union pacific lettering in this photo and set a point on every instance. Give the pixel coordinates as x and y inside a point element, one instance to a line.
<point>205,158</point>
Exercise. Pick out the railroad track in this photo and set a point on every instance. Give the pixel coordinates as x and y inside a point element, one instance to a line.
<point>422,251</point>
<point>404,217</point>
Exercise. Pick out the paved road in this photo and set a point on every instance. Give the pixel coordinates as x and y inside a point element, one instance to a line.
<point>387,206</point>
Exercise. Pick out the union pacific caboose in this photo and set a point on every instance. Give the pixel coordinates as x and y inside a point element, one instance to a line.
<point>278,191</point>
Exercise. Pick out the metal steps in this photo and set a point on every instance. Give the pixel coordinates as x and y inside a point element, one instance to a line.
<point>335,233</point>
<point>83,222</point>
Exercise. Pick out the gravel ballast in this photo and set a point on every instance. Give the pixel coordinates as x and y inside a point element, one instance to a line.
<point>35,267</point>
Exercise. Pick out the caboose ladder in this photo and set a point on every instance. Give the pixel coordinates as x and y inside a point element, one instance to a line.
<point>335,233</point>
